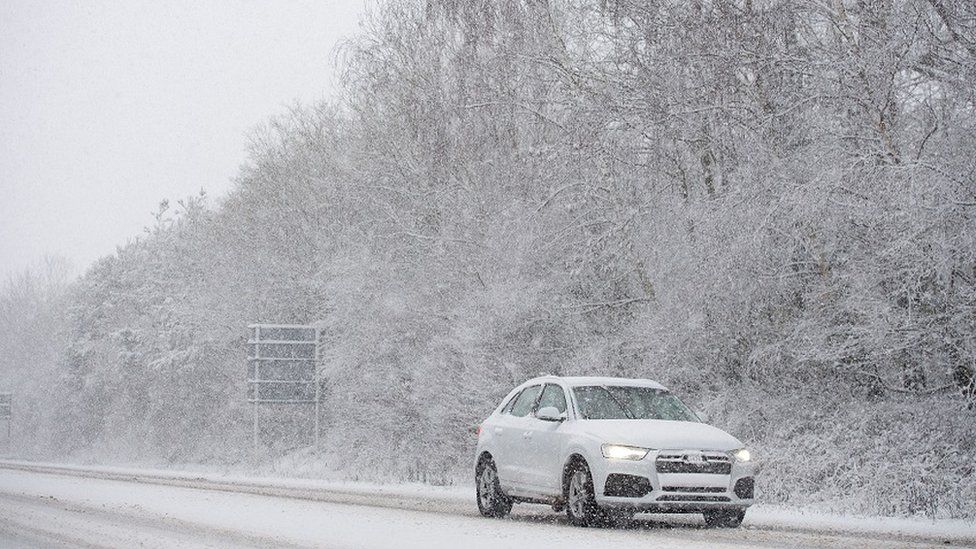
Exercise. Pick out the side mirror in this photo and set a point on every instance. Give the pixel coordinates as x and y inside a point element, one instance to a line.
<point>549,413</point>
<point>702,416</point>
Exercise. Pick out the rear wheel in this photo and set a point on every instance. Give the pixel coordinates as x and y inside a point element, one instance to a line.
<point>492,502</point>
<point>724,518</point>
<point>581,507</point>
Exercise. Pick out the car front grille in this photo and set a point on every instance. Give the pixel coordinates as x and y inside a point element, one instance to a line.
<point>693,461</point>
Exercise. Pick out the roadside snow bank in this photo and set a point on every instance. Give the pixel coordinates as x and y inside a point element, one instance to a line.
<point>779,517</point>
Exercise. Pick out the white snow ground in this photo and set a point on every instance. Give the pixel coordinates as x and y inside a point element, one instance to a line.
<point>131,507</point>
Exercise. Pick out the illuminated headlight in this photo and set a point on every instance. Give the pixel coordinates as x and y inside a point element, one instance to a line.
<point>617,451</point>
<point>742,455</point>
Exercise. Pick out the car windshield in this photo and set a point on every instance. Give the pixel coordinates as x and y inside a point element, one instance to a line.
<point>619,402</point>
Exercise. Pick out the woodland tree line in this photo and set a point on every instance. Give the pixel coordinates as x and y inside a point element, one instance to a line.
<point>767,205</point>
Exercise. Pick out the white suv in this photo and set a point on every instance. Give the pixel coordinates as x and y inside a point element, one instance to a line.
<point>606,447</point>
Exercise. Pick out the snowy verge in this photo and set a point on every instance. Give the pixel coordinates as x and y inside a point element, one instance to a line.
<point>786,518</point>
<point>461,499</point>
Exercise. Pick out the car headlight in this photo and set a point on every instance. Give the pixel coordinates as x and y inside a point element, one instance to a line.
<point>741,455</point>
<point>618,451</point>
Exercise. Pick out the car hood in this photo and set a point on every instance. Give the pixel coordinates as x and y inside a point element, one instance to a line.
<point>660,434</point>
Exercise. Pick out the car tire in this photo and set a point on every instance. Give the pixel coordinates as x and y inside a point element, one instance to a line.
<point>724,518</point>
<point>492,502</point>
<point>581,507</point>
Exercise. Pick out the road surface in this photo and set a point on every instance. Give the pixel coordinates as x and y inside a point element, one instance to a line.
<point>50,506</point>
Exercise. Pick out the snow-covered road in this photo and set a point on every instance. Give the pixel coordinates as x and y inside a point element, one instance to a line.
<point>105,508</point>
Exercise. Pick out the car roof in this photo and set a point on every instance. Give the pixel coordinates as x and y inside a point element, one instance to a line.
<point>577,381</point>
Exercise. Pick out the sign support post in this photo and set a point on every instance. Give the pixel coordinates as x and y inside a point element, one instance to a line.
<point>318,392</point>
<point>6,412</point>
<point>257,375</point>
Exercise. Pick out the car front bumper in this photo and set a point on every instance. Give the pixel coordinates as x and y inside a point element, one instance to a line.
<point>639,485</point>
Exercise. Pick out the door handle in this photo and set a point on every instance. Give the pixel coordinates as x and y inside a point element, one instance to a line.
<point>498,430</point>
<point>527,434</point>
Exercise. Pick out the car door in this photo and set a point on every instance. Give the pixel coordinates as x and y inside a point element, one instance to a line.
<point>546,444</point>
<point>498,427</point>
<point>511,441</point>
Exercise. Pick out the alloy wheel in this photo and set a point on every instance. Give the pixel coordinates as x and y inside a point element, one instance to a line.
<point>577,493</point>
<point>492,502</point>
<point>486,485</point>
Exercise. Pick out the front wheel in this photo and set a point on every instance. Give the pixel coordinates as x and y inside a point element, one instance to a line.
<point>724,518</point>
<point>492,502</point>
<point>581,507</point>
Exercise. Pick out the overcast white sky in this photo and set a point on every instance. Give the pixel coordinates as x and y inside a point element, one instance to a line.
<point>108,107</point>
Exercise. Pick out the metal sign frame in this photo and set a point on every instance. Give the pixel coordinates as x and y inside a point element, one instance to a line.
<point>282,362</point>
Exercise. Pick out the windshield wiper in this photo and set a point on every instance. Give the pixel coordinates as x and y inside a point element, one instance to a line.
<point>624,409</point>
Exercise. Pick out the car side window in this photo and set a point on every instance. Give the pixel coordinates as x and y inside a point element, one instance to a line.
<point>525,401</point>
<point>553,396</point>
<point>511,402</point>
